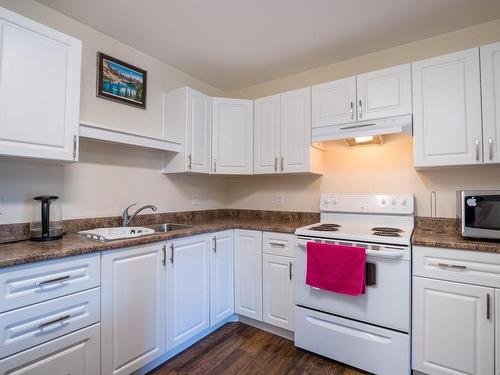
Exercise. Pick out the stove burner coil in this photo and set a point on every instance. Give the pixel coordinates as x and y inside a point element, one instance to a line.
<point>326,227</point>
<point>386,234</point>
<point>387,229</point>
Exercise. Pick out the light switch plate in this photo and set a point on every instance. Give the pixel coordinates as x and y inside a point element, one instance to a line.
<point>280,199</point>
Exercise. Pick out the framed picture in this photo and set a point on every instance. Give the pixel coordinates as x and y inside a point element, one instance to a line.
<point>121,82</point>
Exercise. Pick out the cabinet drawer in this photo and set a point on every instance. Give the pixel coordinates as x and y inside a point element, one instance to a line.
<point>36,282</point>
<point>278,243</point>
<point>457,265</point>
<point>33,325</point>
<point>76,353</point>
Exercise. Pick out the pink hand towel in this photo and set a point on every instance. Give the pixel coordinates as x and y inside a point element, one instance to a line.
<point>339,269</point>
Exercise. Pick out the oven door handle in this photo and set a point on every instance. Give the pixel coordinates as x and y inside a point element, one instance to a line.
<point>392,254</point>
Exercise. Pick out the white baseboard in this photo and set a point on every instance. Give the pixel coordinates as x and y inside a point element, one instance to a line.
<point>267,327</point>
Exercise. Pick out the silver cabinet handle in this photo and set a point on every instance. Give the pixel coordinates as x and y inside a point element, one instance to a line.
<point>172,253</point>
<point>477,149</point>
<point>164,260</point>
<point>51,281</point>
<point>276,164</point>
<point>490,148</point>
<point>74,147</point>
<point>352,110</point>
<point>276,244</point>
<point>189,161</point>
<point>360,109</point>
<point>451,266</point>
<point>488,307</point>
<point>215,166</point>
<point>290,275</point>
<point>54,321</point>
<point>215,244</point>
<point>282,163</point>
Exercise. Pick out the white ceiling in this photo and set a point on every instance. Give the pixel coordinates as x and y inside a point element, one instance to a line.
<point>233,44</point>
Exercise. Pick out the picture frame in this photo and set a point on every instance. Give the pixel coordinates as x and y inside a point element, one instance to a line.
<point>120,81</point>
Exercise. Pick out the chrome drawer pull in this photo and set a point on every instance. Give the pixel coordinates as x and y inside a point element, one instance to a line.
<point>290,275</point>
<point>451,266</point>
<point>57,279</point>
<point>276,244</point>
<point>50,322</point>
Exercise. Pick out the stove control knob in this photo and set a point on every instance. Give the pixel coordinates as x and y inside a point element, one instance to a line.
<point>394,202</point>
<point>404,202</point>
<point>383,201</point>
<point>335,201</point>
<point>326,201</point>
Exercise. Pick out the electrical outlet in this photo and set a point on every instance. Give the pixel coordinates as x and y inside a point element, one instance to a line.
<point>195,201</point>
<point>280,199</point>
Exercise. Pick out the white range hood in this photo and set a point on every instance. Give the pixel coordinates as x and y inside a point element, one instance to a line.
<point>391,125</point>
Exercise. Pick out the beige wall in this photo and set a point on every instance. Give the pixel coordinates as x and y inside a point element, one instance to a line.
<point>387,168</point>
<point>108,177</point>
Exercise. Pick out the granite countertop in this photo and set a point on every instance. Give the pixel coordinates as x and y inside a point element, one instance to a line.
<point>444,233</point>
<point>22,252</point>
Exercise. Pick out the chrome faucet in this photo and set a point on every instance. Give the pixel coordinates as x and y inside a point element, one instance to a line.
<point>127,218</point>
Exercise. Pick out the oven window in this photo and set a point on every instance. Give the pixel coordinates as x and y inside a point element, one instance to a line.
<point>482,211</point>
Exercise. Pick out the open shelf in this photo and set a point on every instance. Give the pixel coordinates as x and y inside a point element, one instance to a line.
<point>106,134</point>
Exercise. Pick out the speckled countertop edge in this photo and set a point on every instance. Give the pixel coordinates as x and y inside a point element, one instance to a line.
<point>444,233</point>
<point>24,252</point>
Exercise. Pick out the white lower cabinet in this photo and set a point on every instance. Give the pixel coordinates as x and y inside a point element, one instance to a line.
<point>187,288</point>
<point>221,276</point>
<point>248,273</point>
<point>453,328</point>
<point>133,307</point>
<point>77,353</point>
<point>277,292</point>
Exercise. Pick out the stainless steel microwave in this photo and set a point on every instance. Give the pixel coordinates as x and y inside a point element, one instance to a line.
<point>479,213</point>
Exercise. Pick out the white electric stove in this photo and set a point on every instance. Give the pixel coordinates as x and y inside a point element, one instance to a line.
<point>370,331</point>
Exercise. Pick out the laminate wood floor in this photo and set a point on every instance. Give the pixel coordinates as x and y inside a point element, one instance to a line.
<point>237,348</point>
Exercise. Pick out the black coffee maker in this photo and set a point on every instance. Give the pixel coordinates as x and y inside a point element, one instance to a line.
<point>47,219</point>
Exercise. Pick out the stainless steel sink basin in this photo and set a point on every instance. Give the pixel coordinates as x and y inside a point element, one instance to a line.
<point>168,227</point>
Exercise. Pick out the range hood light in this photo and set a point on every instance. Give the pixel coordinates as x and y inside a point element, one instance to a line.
<point>364,140</point>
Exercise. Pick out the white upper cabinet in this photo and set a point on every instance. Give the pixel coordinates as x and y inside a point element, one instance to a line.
<point>384,93</point>
<point>188,288</point>
<point>453,328</point>
<point>187,121</point>
<point>447,110</point>
<point>232,136</point>
<point>283,135</point>
<point>296,131</point>
<point>334,102</point>
<point>490,84</point>
<point>267,134</point>
<point>39,90</point>
<point>221,276</point>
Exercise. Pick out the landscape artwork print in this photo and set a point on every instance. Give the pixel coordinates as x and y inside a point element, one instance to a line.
<point>119,81</point>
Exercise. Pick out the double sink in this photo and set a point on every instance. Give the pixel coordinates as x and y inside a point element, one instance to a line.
<point>120,233</point>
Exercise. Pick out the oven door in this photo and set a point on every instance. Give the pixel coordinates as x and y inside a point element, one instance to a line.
<point>386,301</point>
<point>480,213</point>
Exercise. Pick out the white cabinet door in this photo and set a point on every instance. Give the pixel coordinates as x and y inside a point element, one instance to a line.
<point>277,293</point>
<point>221,276</point>
<point>232,136</point>
<point>198,132</point>
<point>77,354</point>
<point>39,90</point>
<point>187,288</point>
<point>132,308</point>
<point>490,84</point>
<point>267,134</point>
<point>295,130</point>
<point>248,273</point>
<point>384,93</point>
<point>334,102</point>
<point>447,110</point>
<point>453,331</point>
<point>497,331</point>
